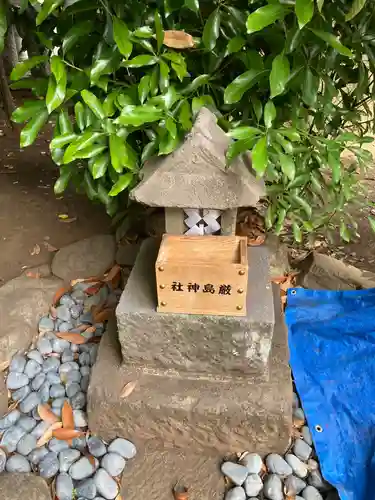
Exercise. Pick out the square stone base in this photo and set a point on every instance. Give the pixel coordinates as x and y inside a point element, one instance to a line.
<point>206,414</point>
<point>193,343</point>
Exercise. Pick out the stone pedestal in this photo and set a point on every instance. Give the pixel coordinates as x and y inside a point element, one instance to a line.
<point>209,385</point>
<point>191,345</point>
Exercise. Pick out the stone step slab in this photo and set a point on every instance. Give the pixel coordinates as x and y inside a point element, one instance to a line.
<point>23,486</point>
<point>208,414</point>
<point>206,344</point>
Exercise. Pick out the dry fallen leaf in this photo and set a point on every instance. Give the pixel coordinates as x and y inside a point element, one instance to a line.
<point>11,407</point>
<point>94,340</point>
<point>48,434</point>
<point>104,315</point>
<point>114,276</point>
<point>67,416</point>
<point>70,219</point>
<point>46,414</point>
<point>181,493</point>
<point>35,250</point>
<point>59,293</point>
<point>67,434</point>
<point>4,365</point>
<point>92,279</point>
<point>49,247</point>
<point>30,274</point>
<point>53,312</point>
<point>73,338</point>
<point>178,39</point>
<point>128,388</point>
<point>255,242</point>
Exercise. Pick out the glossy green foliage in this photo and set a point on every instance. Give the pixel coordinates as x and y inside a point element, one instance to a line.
<point>290,81</point>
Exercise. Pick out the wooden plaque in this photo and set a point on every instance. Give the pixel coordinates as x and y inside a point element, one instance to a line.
<point>202,275</point>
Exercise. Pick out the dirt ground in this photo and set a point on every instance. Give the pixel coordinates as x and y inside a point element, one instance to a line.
<point>29,210</point>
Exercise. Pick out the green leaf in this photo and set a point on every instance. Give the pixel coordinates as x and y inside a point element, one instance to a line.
<point>79,112</point>
<point>158,30</point>
<point>31,130</point>
<point>61,141</point>
<point>264,16</point>
<point>202,101</point>
<point>344,232</point>
<point>310,88</point>
<point>99,166</point>
<point>148,151</point>
<point>144,32</point>
<point>304,11</point>
<point>290,133</point>
<point>121,154</point>
<point>57,84</point>
<point>178,64</point>
<point>243,133</point>
<point>24,67</point>
<point>258,108</point>
<point>355,9</point>
<point>279,75</point>
<point>297,233</point>
<point>192,5</point>
<point>211,30</point>
<point>170,125</point>
<point>48,7</point>
<point>287,166</point>
<point>27,111</point>
<point>144,88</point>
<point>65,124</point>
<point>238,147</point>
<point>63,180</point>
<point>122,183</point>
<point>235,90</point>
<point>235,45</point>
<point>138,115</point>
<point>333,42</point>
<point>269,114</point>
<point>184,116</point>
<point>3,23</point>
<point>122,37</point>
<point>75,33</point>
<point>93,103</point>
<point>259,156</point>
<point>335,165</point>
<point>47,42</point>
<point>140,61</point>
<point>109,103</point>
<point>303,204</point>
<point>372,222</point>
<point>168,144</point>
<point>89,186</point>
<point>195,84</point>
<point>164,75</point>
<point>320,4</point>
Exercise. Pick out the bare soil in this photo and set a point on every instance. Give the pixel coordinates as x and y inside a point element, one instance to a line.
<point>29,210</point>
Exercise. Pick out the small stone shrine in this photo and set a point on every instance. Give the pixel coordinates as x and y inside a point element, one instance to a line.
<point>213,383</point>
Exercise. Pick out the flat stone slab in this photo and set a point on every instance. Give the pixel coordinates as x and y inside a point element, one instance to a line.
<point>23,301</point>
<point>205,413</point>
<point>85,258</point>
<point>222,345</point>
<point>153,473</point>
<point>23,486</point>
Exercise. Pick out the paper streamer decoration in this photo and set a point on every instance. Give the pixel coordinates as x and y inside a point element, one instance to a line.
<point>201,222</point>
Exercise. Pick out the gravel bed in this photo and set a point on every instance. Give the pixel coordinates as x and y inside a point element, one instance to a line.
<point>45,430</point>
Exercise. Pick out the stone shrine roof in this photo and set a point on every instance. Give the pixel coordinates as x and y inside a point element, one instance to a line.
<point>196,175</point>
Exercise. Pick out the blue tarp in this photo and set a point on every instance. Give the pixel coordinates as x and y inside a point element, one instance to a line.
<point>332,350</point>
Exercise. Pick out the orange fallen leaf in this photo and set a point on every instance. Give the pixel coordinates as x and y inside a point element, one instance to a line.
<point>90,458</point>
<point>82,327</point>
<point>114,276</point>
<point>46,414</point>
<point>73,338</point>
<point>178,39</point>
<point>91,279</point>
<point>67,434</point>
<point>94,289</point>
<point>59,293</point>
<point>128,388</point>
<point>53,312</point>
<point>67,416</point>
<point>104,315</point>
<point>47,436</point>
<point>255,242</point>
<point>90,329</point>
